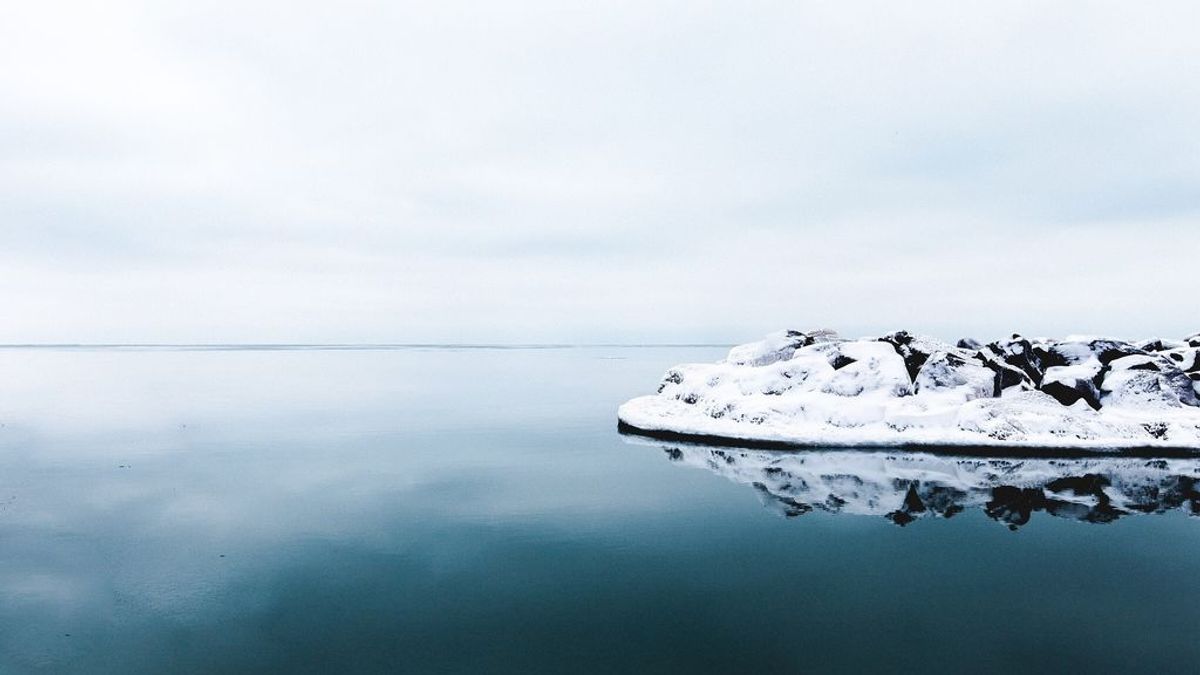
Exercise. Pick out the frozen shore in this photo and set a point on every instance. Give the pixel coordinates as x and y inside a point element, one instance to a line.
<point>816,389</point>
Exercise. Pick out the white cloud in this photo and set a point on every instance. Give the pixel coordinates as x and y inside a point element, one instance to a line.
<point>594,171</point>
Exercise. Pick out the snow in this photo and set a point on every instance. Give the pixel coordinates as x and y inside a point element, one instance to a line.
<point>815,389</point>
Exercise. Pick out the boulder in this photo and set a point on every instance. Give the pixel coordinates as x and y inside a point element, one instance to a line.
<point>947,370</point>
<point>1186,359</point>
<point>1017,353</point>
<point>1159,345</point>
<point>1147,380</point>
<point>915,350</point>
<point>1108,351</point>
<point>1068,387</point>
<point>1004,375</point>
<point>778,346</point>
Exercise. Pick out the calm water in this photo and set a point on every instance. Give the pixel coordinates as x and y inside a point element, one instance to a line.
<point>434,510</point>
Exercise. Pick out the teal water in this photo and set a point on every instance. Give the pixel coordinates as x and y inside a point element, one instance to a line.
<point>474,510</point>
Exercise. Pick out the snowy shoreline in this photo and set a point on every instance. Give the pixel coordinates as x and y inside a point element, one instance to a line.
<point>798,389</point>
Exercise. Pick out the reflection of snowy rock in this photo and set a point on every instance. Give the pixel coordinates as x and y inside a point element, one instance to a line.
<point>814,388</point>
<point>903,487</point>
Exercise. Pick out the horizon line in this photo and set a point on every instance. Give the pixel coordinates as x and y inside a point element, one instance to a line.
<point>343,346</point>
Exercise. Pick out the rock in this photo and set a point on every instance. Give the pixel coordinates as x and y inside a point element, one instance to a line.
<point>1068,388</point>
<point>1186,359</point>
<point>1005,375</point>
<point>1108,351</point>
<point>969,343</point>
<point>1159,345</point>
<point>914,350</point>
<point>872,367</point>
<point>776,347</point>
<point>840,360</point>
<point>1147,380</point>
<point>943,370</point>
<point>1017,353</point>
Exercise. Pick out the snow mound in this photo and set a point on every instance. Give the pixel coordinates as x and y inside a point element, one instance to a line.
<point>904,487</point>
<point>816,389</point>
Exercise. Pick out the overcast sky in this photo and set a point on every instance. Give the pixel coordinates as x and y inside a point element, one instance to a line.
<point>606,171</point>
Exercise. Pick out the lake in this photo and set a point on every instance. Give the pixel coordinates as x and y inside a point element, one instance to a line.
<point>455,509</point>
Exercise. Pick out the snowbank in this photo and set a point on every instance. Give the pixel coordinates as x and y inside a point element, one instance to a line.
<point>816,389</point>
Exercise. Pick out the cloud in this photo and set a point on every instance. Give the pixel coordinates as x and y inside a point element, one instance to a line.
<point>594,171</point>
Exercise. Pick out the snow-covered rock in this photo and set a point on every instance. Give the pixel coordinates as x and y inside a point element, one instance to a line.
<point>904,487</point>
<point>816,389</point>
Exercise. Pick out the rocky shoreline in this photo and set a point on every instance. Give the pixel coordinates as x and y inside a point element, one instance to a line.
<point>814,388</point>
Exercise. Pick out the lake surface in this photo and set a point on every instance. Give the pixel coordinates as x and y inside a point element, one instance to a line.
<point>468,510</point>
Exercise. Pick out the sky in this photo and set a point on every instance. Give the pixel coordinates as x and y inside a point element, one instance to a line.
<point>520,172</point>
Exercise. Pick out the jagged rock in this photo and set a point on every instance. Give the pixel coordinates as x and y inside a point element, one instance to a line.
<point>915,350</point>
<point>1004,375</point>
<point>1017,353</point>
<point>1193,340</point>
<point>970,344</point>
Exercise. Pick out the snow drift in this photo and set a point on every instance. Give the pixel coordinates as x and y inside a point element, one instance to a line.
<point>816,389</point>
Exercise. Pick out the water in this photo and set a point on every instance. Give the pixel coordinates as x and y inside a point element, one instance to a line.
<point>449,510</point>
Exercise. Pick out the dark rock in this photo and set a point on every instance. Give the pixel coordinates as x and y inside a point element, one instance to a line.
<point>840,360</point>
<point>1110,350</point>
<point>1187,360</point>
<point>672,377</point>
<point>1155,345</point>
<point>911,349</point>
<point>1050,357</point>
<point>1005,375</point>
<point>1157,430</point>
<point>969,343</point>
<point>1070,390</point>
<point>1017,353</point>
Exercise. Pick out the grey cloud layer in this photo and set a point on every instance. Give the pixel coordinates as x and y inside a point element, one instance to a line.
<point>594,171</point>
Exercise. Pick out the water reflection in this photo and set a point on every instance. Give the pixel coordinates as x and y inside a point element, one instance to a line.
<point>904,486</point>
